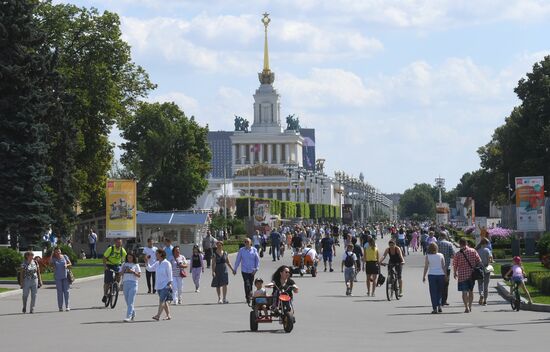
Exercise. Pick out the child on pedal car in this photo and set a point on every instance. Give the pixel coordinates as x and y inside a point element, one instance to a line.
<point>260,296</point>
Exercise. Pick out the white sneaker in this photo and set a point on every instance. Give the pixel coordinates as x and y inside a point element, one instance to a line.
<point>67,309</point>
<point>197,290</point>
<point>220,301</point>
<point>127,320</point>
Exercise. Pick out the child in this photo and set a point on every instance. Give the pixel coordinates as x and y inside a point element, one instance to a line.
<point>348,261</point>
<point>82,254</point>
<point>260,295</point>
<point>518,274</point>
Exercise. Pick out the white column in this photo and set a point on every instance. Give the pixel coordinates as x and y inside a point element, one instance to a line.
<point>242,152</point>
<point>297,154</point>
<point>261,153</point>
<point>269,153</point>
<point>233,154</point>
<point>251,153</point>
<point>278,152</point>
<point>287,153</point>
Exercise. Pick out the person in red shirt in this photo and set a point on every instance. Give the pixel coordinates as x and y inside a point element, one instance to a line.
<point>464,263</point>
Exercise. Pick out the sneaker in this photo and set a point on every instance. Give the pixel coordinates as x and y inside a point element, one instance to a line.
<point>60,309</point>
<point>225,301</point>
<point>104,299</point>
<point>368,294</point>
<point>67,309</point>
<point>24,310</point>
<point>331,270</point>
<point>372,294</point>
<point>480,300</point>
<point>439,310</point>
<point>32,311</point>
<point>133,316</point>
<point>127,320</point>
<point>220,301</point>
<point>325,270</point>
<point>197,290</point>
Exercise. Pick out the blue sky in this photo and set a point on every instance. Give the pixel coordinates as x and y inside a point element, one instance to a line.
<point>401,90</point>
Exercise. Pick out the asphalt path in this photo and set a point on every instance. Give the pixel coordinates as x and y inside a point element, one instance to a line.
<point>326,319</point>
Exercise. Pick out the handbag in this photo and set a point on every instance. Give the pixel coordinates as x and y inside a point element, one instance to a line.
<point>70,276</point>
<point>183,273</point>
<point>381,280</point>
<point>478,272</point>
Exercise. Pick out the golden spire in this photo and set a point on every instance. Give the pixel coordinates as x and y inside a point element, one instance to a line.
<point>265,21</point>
<point>266,76</point>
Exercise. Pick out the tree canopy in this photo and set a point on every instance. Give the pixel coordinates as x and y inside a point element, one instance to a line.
<point>418,202</point>
<point>169,155</point>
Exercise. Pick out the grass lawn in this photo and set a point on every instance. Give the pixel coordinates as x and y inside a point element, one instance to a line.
<point>90,261</point>
<point>231,248</point>
<point>2,289</point>
<point>78,271</point>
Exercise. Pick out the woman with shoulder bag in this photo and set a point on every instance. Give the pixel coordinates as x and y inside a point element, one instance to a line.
<point>61,264</point>
<point>179,263</point>
<point>30,280</point>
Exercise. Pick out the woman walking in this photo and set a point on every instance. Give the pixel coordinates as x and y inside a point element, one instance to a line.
<point>197,267</point>
<point>179,263</point>
<point>61,264</point>
<point>220,275</point>
<point>30,279</point>
<point>163,282</point>
<point>434,265</point>
<point>371,265</point>
<point>131,274</point>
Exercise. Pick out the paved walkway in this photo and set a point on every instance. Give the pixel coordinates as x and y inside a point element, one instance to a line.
<point>326,320</point>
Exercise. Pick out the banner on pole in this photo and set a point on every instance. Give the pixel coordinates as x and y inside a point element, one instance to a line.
<point>121,208</point>
<point>530,203</point>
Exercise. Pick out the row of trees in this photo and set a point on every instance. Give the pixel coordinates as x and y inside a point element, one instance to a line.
<point>520,147</point>
<point>66,77</point>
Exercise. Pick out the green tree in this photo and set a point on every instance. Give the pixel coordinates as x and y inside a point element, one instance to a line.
<point>169,155</point>
<point>418,202</point>
<point>477,185</point>
<point>26,103</point>
<point>520,147</point>
<point>103,85</point>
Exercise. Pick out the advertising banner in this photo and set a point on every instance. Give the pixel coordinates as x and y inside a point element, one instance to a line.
<point>530,203</point>
<point>121,208</point>
<point>442,211</point>
<point>261,213</point>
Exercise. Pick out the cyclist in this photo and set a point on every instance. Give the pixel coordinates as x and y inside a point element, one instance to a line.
<point>112,260</point>
<point>396,260</point>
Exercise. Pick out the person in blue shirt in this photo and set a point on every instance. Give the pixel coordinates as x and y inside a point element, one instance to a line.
<point>250,260</point>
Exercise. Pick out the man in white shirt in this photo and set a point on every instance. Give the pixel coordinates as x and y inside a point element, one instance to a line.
<point>150,251</point>
<point>92,241</point>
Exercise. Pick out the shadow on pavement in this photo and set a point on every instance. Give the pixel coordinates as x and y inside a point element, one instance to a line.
<point>278,331</point>
<point>423,313</point>
<point>372,300</point>
<point>118,322</point>
<point>492,327</point>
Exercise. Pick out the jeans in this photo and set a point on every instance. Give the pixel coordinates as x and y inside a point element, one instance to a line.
<point>130,288</point>
<point>196,274</point>
<point>150,276</point>
<point>93,253</point>
<point>483,285</point>
<point>436,289</point>
<point>29,286</point>
<point>248,279</point>
<point>275,247</point>
<point>62,287</point>
<point>445,293</point>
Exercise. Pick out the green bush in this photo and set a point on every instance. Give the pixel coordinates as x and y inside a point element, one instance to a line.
<point>543,245</point>
<point>238,227</point>
<point>68,251</point>
<point>499,254</point>
<point>541,280</point>
<point>10,260</point>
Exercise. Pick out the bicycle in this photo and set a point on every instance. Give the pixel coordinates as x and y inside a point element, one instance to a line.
<point>112,289</point>
<point>392,283</point>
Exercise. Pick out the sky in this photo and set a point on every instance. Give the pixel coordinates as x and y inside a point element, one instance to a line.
<point>403,91</point>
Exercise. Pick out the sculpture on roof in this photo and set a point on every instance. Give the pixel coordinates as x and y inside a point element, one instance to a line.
<point>241,124</point>
<point>292,123</point>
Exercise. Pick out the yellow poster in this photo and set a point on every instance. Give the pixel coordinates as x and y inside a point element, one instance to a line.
<point>121,208</point>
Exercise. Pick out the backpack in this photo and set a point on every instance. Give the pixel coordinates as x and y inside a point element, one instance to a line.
<point>349,262</point>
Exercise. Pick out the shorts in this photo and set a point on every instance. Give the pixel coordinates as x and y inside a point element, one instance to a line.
<point>466,285</point>
<point>517,279</point>
<point>349,274</point>
<point>108,277</point>
<point>398,269</point>
<point>372,268</point>
<point>165,294</point>
<point>327,256</point>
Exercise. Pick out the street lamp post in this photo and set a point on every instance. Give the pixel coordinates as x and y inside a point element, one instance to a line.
<point>225,189</point>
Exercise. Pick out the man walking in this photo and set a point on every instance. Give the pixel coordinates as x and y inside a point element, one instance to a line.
<point>208,245</point>
<point>446,248</point>
<point>275,238</point>
<point>329,250</point>
<point>150,252</point>
<point>92,241</point>
<point>463,266</point>
<point>250,260</point>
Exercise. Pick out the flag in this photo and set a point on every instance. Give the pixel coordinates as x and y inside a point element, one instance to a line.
<point>255,148</point>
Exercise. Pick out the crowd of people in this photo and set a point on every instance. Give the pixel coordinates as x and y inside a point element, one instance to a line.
<point>166,268</point>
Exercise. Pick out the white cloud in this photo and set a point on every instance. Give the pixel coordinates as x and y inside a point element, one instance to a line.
<point>327,87</point>
<point>186,103</point>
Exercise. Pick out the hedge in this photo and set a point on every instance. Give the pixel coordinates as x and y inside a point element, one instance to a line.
<point>10,261</point>
<point>289,210</point>
<point>541,280</point>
